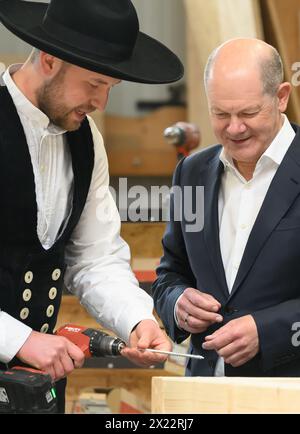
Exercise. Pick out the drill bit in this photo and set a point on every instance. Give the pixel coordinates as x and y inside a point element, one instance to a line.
<point>171,353</point>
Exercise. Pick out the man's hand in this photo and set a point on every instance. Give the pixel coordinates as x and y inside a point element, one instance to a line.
<point>237,342</point>
<point>55,355</point>
<point>147,334</point>
<point>197,311</point>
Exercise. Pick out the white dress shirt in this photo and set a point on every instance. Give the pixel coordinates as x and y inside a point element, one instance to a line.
<point>98,259</point>
<point>240,202</point>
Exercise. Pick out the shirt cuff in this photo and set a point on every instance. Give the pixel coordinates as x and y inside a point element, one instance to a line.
<point>175,316</point>
<point>13,334</point>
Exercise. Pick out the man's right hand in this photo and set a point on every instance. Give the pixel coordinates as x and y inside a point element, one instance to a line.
<point>197,311</point>
<point>52,354</point>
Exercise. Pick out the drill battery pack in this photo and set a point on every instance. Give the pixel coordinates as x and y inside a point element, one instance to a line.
<point>26,391</point>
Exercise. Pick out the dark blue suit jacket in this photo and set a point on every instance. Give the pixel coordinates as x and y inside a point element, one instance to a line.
<point>267,285</point>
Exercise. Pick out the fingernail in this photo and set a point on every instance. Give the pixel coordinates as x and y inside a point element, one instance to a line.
<point>219,318</point>
<point>216,308</point>
<point>204,346</point>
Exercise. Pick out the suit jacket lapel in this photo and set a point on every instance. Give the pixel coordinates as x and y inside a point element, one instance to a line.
<point>283,191</point>
<point>211,219</point>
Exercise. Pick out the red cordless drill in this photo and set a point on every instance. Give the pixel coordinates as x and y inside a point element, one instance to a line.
<point>27,390</point>
<point>92,342</point>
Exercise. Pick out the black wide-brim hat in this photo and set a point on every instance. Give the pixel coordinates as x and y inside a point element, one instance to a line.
<point>99,35</point>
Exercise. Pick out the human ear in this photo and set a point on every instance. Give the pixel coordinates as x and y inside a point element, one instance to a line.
<point>283,96</point>
<point>50,65</point>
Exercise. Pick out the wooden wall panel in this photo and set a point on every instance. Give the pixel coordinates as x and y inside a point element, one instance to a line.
<point>136,146</point>
<point>282,29</point>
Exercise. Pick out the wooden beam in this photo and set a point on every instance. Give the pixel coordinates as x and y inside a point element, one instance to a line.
<point>282,29</point>
<point>226,395</point>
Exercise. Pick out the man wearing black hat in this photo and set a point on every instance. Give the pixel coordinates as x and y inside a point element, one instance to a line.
<point>58,221</point>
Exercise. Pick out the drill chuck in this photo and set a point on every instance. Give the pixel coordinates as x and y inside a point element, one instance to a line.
<point>102,344</point>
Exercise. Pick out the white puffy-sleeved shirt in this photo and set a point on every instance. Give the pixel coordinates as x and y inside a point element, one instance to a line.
<point>97,258</point>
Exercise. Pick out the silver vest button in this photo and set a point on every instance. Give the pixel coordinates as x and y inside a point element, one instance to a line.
<point>28,277</point>
<point>27,294</point>
<point>56,274</point>
<point>24,313</point>
<point>44,328</point>
<point>50,311</point>
<point>52,293</point>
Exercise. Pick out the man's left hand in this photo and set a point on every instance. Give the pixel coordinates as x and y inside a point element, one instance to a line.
<point>147,334</point>
<point>237,342</point>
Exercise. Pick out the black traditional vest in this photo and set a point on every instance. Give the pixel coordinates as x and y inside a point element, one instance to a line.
<point>31,278</point>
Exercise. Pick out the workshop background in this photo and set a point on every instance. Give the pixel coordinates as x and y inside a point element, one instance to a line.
<point>133,129</point>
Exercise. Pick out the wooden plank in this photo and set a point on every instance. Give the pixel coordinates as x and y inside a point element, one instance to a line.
<point>187,396</point>
<point>227,395</point>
